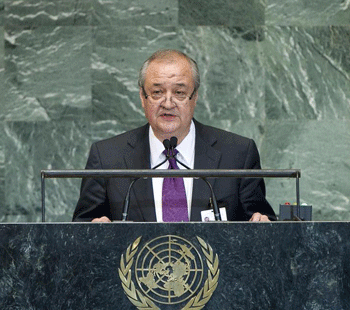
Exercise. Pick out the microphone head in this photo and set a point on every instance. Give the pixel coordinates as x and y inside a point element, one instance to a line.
<point>166,144</point>
<point>173,142</point>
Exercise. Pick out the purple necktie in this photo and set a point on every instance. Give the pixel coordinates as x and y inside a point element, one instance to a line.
<point>174,196</point>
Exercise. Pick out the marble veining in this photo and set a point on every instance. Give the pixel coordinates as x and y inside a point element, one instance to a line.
<point>48,13</point>
<point>2,8</point>
<point>29,141</point>
<point>275,71</point>
<point>324,178</point>
<point>2,52</point>
<point>297,87</point>
<point>2,173</point>
<point>135,12</point>
<point>42,81</point>
<point>228,79</point>
<point>239,13</point>
<point>307,13</point>
<point>262,266</point>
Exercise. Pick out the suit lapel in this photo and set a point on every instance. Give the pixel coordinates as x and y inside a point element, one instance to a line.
<point>138,157</point>
<point>206,157</point>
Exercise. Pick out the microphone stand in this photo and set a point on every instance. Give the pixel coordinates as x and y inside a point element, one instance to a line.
<point>127,200</point>
<point>212,201</point>
<point>170,146</point>
<point>126,204</point>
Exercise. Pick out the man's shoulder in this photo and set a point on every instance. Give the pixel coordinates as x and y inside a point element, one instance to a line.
<point>211,133</point>
<point>130,136</point>
<point>233,148</point>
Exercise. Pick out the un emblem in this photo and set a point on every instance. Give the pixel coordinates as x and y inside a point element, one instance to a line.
<point>169,270</point>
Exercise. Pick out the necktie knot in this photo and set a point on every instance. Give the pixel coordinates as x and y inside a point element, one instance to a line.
<point>171,152</point>
<point>172,161</point>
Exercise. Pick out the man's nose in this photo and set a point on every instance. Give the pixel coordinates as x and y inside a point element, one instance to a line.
<point>168,101</point>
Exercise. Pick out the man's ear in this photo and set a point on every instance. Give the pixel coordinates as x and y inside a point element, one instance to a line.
<point>195,98</point>
<point>142,97</point>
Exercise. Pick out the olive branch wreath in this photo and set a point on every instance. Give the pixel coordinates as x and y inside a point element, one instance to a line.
<point>144,303</point>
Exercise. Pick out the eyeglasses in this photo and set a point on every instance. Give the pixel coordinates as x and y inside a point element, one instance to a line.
<point>160,95</point>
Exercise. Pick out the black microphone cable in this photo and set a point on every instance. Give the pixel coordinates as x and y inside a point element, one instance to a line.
<point>166,144</point>
<point>212,201</point>
<point>170,146</point>
<point>126,204</point>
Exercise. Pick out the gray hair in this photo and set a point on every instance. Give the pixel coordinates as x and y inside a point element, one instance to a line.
<point>168,54</point>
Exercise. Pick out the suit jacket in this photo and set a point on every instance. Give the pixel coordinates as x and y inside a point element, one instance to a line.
<point>214,149</point>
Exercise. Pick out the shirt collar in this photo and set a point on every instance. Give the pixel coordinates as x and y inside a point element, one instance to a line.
<point>185,148</point>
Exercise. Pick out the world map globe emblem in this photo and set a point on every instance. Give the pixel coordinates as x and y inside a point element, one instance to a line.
<point>169,269</point>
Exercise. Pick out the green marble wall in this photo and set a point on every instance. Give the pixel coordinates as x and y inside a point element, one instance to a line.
<point>277,71</point>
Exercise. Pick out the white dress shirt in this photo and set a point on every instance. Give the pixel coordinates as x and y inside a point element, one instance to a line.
<point>185,155</point>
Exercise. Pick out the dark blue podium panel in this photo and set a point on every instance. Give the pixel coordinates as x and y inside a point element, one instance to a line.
<point>175,266</point>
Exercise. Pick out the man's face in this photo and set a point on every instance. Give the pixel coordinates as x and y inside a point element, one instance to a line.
<point>166,81</point>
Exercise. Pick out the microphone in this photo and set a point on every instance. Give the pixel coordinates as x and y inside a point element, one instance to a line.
<point>173,144</point>
<point>212,201</point>
<point>167,144</point>
<point>170,146</point>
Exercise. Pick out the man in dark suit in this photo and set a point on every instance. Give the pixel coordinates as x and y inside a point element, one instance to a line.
<point>169,82</point>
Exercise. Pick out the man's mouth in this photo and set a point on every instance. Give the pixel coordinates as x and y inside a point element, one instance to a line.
<point>167,114</point>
